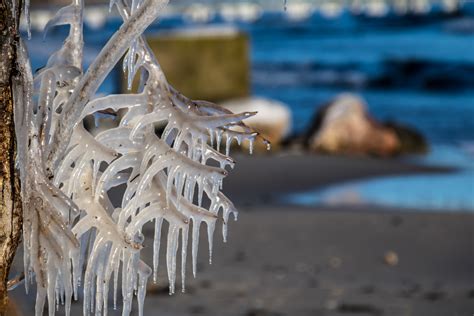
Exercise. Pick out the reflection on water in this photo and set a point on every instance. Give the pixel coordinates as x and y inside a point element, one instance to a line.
<point>443,192</point>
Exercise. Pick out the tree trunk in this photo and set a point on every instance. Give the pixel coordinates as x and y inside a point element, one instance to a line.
<point>10,200</point>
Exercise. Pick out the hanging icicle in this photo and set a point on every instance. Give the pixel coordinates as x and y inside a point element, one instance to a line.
<point>70,224</point>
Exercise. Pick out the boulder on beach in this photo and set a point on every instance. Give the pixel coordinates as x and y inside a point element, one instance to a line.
<point>411,140</point>
<point>344,126</point>
<point>204,63</point>
<point>273,120</point>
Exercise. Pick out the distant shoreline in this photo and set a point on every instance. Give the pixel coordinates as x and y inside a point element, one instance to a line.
<point>261,179</point>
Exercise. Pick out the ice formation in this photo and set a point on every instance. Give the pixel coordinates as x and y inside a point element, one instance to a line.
<point>73,235</point>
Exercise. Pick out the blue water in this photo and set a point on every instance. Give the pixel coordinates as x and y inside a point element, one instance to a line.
<point>434,192</point>
<point>418,70</point>
<point>422,74</point>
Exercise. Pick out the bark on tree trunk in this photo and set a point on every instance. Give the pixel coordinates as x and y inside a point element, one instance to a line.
<point>10,200</point>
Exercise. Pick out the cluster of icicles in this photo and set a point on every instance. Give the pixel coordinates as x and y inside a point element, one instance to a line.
<point>74,236</point>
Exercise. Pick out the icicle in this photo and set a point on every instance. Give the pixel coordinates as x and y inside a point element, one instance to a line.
<point>143,272</point>
<point>184,251</point>
<point>203,150</point>
<point>156,171</point>
<point>40,301</point>
<point>116,274</point>
<point>225,221</point>
<point>215,185</point>
<point>65,15</point>
<point>27,16</point>
<point>219,138</point>
<point>180,180</point>
<point>172,248</point>
<point>200,184</point>
<point>228,142</point>
<point>195,243</point>
<point>51,281</point>
<point>210,236</point>
<point>211,135</point>
<point>156,247</point>
<point>111,5</point>
<point>189,189</point>
<point>238,137</point>
<point>169,184</point>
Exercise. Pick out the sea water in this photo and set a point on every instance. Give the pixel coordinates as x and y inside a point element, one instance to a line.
<point>413,69</point>
<point>452,191</point>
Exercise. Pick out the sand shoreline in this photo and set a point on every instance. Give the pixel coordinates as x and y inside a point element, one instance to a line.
<point>289,261</point>
<point>292,260</point>
<point>262,179</point>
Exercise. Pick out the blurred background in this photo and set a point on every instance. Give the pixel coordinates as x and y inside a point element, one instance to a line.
<point>364,205</point>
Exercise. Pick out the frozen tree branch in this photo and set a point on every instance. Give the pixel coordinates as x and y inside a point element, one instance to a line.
<point>73,235</point>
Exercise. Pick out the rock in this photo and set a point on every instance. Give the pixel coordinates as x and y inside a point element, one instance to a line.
<point>261,312</point>
<point>331,304</point>
<point>435,295</point>
<point>359,308</point>
<point>344,126</point>
<point>206,284</point>
<point>396,221</point>
<point>411,140</point>
<point>470,293</point>
<point>197,309</point>
<point>204,63</point>
<point>411,291</point>
<point>273,120</point>
<point>368,289</point>
<point>335,262</point>
<point>391,258</point>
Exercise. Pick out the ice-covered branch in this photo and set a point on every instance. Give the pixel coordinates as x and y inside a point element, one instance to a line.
<point>98,70</point>
<point>73,231</point>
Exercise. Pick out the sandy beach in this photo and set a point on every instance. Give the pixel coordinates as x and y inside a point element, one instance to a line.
<point>288,260</point>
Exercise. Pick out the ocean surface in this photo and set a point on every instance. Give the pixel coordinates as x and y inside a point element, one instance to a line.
<point>413,69</point>
<point>447,192</point>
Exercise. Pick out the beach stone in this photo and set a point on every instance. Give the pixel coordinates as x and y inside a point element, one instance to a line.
<point>411,290</point>
<point>261,312</point>
<point>331,304</point>
<point>470,293</point>
<point>391,258</point>
<point>273,120</point>
<point>335,262</point>
<point>368,289</point>
<point>359,308</point>
<point>411,140</point>
<point>344,126</point>
<point>435,295</point>
<point>197,309</point>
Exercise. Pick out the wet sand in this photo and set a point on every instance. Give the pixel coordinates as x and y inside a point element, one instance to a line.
<point>286,260</point>
<point>293,261</point>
